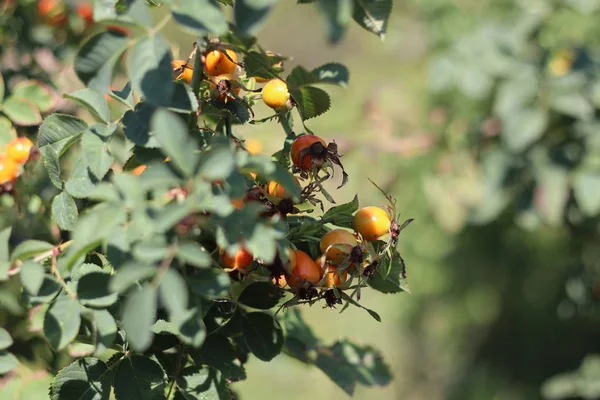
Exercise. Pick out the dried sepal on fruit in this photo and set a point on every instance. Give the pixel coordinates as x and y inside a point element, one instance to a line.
<point>310,153</point>
<point>182,70</point>
<point>224,87</point>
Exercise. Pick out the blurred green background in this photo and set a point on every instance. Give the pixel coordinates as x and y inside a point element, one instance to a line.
<point>502,272</point>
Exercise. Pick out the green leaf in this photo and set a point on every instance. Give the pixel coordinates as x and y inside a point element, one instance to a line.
<point>338,14</point>
<point>60,131</point>
<point>311,101</point>
<point>250,15</point>
<point>52,165</point>
<point>552,193</point>
<point>86,378</point>
<point>218,352</point>
<point>97,57</point>
<point>81,182</point>
<point>129,274</point>
<point>21,111</point>
<point>172,135</point>
<point>209,283</point>
<point>373,15</point>
<point>350,300</point>
<point>264,167</point>
<point>193,254</point>
<point>92,229</point>
<point>342,215</point>
<point>200,17</point>
<point>139,314</point>
<point>37,93</point>
<point>217,162</point>
<point>150,70</point>
<point>183,100</point>
<point>2,88</point>
<point>334,73</point>
<point>258,65</point>
<point>92,290</point>
<point>575,105</point>
<point>5,339</point>
<point>301,77</point>
<point>32,276</point>
<point>7,131</point>
<point>64,211</point>
<point>124,96</point>
<point>190,327</point>
<point>139,378</point>
<point>95,151</point>
<point>93,101</point>
<point>347,364</point>
<point>8,362</point>
<point>61,322</point>
<point>105,330</point>
<point>299,338</point>
<point>136,125</point>
<point>260,295</point>
<point>196,383</point>
<point>173,292</point>
<point>263,335</point>
<point>48,291</point>
<point>388,281</point>
<point>586,191</point>
<point>4,260</point>
<point>29,248</point>
<point>523,128</point>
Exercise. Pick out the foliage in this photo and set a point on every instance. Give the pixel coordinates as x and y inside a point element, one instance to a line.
<point>130,283</point>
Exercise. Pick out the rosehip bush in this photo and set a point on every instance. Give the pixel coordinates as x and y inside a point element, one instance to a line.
<point>178,253</point>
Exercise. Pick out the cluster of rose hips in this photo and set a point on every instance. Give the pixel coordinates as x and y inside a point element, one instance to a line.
<point>345,254</point>
<point>219,69</point>
<point>56,12</point>
<point>15,155</point>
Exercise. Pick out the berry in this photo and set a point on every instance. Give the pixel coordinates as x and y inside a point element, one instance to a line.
<point>371,222</point>
<point>52,11</point>
<point>307,149</point>
<point>277,190</point>
<point>305,270</point>
<point>85,11</point>
<point>332,278</point>
<point>19,150</point>
<point>275,94</point>
<point>9,170</point>
<point>217,62</point>
<point>341,237</point>
<point>137,171</point>
<point>241,260</point>
<point>182,70</point>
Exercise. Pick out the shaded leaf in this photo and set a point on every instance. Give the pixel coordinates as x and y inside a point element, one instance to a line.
<point>150,70</point>
<point>311,101</point>
<point>105,330</point>
<point>338,14</point>
<point>373,15</point>
<point>196,383</point>
<point>139,378</point>
<point>200,17</point>
<point>95,151</point>
<point>260,295</point>
<point>85,379</point>
<point>139,314</point>
<point>250,15</point>
<point>5,339</point>
<point>61,322</point>
<point>263,335</point>
<point>97,57</point>
<point>93,291</point>
<point>334,73</point>
<point>7,131</point>
<point>172,135</point>
<point>8,362</point>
